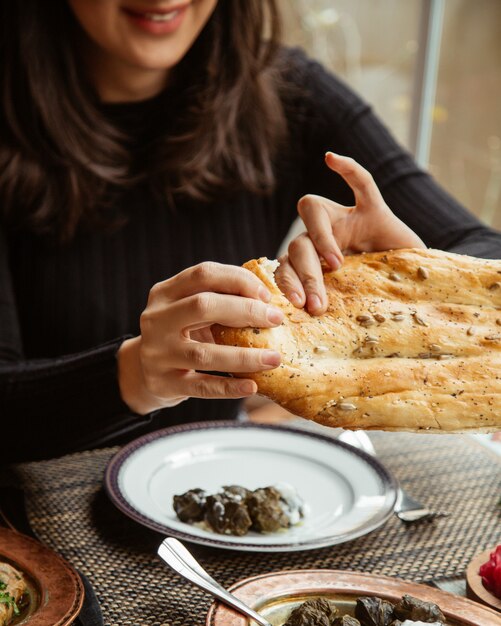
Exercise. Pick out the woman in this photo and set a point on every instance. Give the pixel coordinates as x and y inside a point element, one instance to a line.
<point>147,149</point>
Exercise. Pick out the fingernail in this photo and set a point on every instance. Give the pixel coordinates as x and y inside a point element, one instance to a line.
<point>314,302</point>
<point>271,358</point>
<point>333,261</point>
<point>264,294</point>
<point>275,316</point>
<point>296,299</point>
<point>247,387</point>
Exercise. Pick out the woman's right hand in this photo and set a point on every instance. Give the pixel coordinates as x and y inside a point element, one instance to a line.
<point>158,368</point>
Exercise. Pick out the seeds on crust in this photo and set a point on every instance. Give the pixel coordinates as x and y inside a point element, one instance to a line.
<point>419,320</point>
<point>365,320</point>
<point>347,406</point>
<point>423,272</point>
<point>320,349</point>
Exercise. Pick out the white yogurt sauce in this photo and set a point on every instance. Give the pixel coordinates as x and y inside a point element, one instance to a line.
<point>294,506</point>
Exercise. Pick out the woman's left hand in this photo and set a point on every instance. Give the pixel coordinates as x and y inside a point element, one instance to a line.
<point>333,230</point>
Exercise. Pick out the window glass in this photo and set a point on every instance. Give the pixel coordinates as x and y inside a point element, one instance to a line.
<point>466,141</point>
<point>373,45</point>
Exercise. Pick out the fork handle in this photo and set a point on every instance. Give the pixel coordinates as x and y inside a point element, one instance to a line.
<point>173,552</point>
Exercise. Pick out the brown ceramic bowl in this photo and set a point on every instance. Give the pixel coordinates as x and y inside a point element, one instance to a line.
<point>55,590</point>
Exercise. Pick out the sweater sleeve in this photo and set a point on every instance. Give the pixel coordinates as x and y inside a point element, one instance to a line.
<point>54,406</point>
<point>336,119</point>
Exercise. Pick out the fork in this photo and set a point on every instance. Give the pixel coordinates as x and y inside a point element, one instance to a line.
<point>407,508</point>
<point>410,510</point>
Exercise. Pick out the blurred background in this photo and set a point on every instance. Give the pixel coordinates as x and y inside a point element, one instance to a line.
<point>432,71</point>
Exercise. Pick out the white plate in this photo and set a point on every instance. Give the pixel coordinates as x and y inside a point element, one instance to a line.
<point>348,492</point>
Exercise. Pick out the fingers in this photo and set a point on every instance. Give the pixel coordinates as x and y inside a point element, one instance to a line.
<point>302,273</point>
<point>211,277</point>
<point>318,219</point>
<point>208,386</point>
<point>212,357</point>
<point>170,373</point>
<point>181,384</point>
<point>169,356</point>
<point>204,309</point>
<point>330,227</point>
<point>357,177</point>
<point>289,283</point>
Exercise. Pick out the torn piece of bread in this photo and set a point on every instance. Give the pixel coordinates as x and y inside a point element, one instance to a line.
<point>411,341</point>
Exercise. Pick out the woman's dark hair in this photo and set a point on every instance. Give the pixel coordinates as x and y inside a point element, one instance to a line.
<point>61,158</point>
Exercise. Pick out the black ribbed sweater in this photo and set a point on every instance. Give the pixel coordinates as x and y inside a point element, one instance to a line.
<point>64,310</point>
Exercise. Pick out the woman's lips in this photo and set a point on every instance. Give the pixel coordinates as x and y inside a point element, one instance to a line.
<point>157,21</point>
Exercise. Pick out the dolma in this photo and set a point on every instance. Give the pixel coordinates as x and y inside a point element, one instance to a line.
<point>372,611</point>
<point>225,515</point>
<point>266,510</point>
<point>236,492</point>
<point>235,509</point>
<point>418,610</point>
<point>319,612</point>
<point>346,620</point>
<point>190,506</point>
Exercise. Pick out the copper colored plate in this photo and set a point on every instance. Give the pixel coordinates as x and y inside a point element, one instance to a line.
<point>59,588</point>
<point>474,586</point>
<point>275,595</point>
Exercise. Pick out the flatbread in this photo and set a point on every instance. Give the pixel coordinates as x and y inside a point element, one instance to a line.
<point>411,341</point>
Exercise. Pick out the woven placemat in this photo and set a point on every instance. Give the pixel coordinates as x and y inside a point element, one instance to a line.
<point>70,512</point>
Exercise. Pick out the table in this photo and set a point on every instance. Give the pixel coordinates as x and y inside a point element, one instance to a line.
<point>70,512</point>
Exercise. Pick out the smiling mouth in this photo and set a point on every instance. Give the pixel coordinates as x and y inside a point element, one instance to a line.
<point>160,17</point>
<point>156,16</point>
